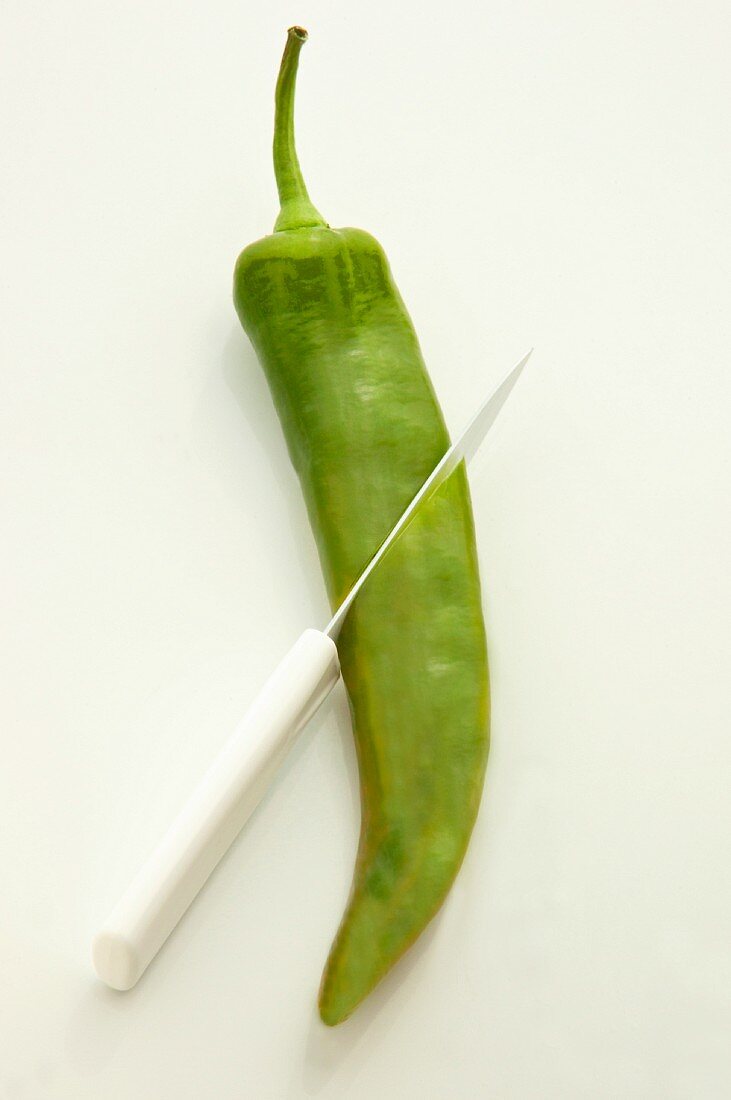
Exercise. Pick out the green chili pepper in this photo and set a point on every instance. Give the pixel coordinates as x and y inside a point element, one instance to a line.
<point>364,430</point>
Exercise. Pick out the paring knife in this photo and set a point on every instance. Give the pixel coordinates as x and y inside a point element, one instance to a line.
<point>239,776</point>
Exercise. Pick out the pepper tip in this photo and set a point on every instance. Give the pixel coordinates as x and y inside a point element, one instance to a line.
<point>298,32</point>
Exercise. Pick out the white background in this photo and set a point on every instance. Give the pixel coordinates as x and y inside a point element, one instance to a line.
<point>554,174</point>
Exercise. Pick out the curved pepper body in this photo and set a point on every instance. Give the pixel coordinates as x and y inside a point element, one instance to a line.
<point>364,430</point>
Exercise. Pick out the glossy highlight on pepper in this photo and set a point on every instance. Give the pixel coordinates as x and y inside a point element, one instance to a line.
<point>364,429</point>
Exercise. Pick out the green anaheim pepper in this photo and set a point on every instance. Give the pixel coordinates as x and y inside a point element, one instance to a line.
<point>364,430</point>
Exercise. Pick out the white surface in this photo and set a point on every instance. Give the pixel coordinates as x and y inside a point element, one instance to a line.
<point>549,174</point>
<point>215,811</point>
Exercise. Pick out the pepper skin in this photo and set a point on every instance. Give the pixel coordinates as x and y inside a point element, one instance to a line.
<point>364,430</point>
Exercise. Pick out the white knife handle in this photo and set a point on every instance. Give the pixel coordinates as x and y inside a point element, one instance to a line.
<point>228,793</point>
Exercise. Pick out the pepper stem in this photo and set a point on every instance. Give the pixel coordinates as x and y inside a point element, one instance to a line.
<point>297,210</point>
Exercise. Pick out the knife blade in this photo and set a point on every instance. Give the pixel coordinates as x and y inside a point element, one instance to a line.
<point>233,786</point>
<point>464,447</point>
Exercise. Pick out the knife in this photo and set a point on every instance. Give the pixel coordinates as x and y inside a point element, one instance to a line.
<point>236,781</point>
